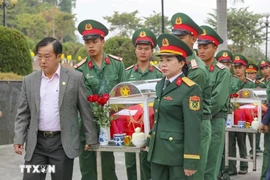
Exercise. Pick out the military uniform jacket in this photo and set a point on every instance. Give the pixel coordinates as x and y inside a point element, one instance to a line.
<point>198,72</point>
<point>134,73</point>
<point>175,138</point>
<point>102,80</point>
<point>246,83</point>
<point>235,83</point>
<point>220,78</point>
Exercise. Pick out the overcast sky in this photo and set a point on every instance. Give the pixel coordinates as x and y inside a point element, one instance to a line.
<point>196,9</point>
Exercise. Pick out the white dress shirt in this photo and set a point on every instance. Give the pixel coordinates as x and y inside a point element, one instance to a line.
<point>49,119</point>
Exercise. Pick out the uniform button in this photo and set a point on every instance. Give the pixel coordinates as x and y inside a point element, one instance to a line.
<point>156,110</point>
<point>158,99</point>
<point>154,133</point>
<point>155,121</point>
<point>171,138</point>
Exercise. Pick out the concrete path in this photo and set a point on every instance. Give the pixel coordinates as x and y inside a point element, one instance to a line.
<point>10,162</point>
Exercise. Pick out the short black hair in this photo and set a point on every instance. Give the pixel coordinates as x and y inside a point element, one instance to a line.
<point>57,46</point>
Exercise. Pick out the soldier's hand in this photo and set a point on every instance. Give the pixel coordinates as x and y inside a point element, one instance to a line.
<point>263,128</point>
<point>18,148</point>
<point>90,147</point>
<point>189,172</point>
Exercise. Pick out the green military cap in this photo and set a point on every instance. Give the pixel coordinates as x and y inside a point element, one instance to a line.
<point>91,29</point>
<point>208,36</point>
<point>144,36</point>
<point>172,45</point>
<point>183,24</point>
<point>239,59</point>
<point>263,63</point>
<point>224,56</point>
<point>252,68</point>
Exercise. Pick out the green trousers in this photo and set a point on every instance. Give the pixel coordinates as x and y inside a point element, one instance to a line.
<point>265,156</point>
<point>205,143</point>
<point>240,138</point>
<point>131,168</point>
<point>216,149</point>
<point>258,138</point>
<point>164,172</point>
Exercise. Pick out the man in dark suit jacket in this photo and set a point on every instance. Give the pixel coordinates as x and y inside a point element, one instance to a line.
<point>47,115</point>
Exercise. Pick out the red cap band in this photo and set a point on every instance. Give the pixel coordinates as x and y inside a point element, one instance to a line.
<point>224,58</point>
<point>146,38</point>
<point>186,27</point>
<point>173,49</point>
<point>93,31</point>
<point>240,62</point>
<point>209,38</point>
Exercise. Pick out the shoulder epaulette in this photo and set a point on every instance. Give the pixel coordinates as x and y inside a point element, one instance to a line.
<point>188,81</point>
<point>115,57</point>
<point>157,68</point>
<point>80,63</point>
<point>193,64</point>
<point>261,80</point>
<point>249,80</point>
<point>220,66</point>
<point>128,68</point>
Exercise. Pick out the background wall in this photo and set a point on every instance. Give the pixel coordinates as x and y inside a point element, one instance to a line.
<point>9,98</point>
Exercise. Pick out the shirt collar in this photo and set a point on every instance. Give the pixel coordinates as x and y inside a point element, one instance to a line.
<point>57,72</point>
<point>174,77</point>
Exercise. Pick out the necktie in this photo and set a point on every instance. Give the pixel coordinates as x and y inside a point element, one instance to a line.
<point>167,82</point>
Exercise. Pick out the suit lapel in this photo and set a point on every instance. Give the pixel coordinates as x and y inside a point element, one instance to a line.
<point>63,82</point>
<point>36,87</point>
<point>159,87</point>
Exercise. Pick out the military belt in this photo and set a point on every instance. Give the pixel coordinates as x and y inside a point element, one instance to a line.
<point>206,116</point>
<point>49,133</point>
<point>220,115</point>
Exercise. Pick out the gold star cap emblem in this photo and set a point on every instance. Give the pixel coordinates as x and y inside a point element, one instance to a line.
<point>178,20</point>
<point>142,34</point>
<point>63,83</point>
<point>88,27</point>
<point>250,66</point>
<point>165,42</point>
<point>237,58</point>
<point>263,62</point>
<point>225,54</point>
<point>204,32</point>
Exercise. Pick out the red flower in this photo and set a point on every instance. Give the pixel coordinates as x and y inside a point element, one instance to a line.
<point>93,98</point>
<point>231,95</point>
<point>106,96</point>
<point>235,95</point>
<point>102,101</point>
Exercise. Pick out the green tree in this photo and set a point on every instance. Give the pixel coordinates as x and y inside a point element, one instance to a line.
<point>242,29</point>
<point>153,22</point>
<point>122,47</point>
<point>124,24</point>
<point>81,52</point>
<point>14,52</point>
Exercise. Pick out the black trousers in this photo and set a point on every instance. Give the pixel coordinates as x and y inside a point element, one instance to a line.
<point>49,155</point>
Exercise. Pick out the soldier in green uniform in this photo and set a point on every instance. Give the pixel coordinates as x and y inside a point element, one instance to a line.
<point>102,72</point>
<point>145,42</point>
<point>225,57</point>
<point>264,66</point>
<point>187,30</point>
<point>220,76</point>
<point>175,139</point>
<point>239,68</point>
<point>251,74</point>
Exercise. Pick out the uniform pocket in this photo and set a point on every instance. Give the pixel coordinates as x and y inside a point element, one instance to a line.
<point>171,136</point>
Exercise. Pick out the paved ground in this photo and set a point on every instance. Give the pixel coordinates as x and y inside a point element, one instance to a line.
<point>9,166</point>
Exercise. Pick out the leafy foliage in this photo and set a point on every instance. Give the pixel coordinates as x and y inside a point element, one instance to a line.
<point>242,29</point>
<point>122,47</point>
<point>14,52</point>
<point>124,23</point>
<point>153,22</point>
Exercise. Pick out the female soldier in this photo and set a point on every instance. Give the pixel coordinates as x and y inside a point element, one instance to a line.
<point>175,137</point>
